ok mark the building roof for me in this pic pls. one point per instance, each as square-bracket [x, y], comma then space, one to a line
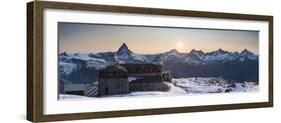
[115, 67]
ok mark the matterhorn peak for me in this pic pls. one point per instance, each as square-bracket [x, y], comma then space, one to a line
[124, 45]
[124, 49]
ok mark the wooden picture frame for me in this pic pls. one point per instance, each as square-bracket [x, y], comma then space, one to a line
[35, 65]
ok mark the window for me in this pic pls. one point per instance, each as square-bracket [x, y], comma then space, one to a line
[106, 90]
[117, 85]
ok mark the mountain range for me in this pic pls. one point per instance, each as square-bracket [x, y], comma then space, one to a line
[196, 63]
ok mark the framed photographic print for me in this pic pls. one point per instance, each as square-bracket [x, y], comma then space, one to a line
[95, 61]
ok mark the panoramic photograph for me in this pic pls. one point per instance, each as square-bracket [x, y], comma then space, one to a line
[105, 61]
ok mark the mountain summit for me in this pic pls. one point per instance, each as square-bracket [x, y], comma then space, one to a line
[246, 52]
[196, 52]
[220, 51]
[124, 49]
[125, 55]
[173, 51]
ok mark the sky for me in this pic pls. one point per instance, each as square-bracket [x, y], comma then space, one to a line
[93, 38]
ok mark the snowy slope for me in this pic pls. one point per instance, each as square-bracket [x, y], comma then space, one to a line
[184, 86]
[213, 85]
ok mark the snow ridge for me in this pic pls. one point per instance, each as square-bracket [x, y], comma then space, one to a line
[69, 62]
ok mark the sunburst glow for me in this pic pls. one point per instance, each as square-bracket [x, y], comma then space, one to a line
[180, 45]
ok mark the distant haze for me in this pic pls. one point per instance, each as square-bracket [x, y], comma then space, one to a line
[93, 38]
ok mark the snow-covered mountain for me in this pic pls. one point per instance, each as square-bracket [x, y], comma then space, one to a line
[218, 56]
[125, 55]
[124, 50]
[172, 60]
[198, 57]
[246, 54]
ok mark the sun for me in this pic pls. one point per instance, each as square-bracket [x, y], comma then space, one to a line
[179, 45]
